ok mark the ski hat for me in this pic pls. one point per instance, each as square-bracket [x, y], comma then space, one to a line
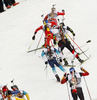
[53, 10]
[4, 89]
[72, 69]
[14, 87]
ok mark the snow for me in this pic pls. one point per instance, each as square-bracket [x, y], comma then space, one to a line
[17, 26]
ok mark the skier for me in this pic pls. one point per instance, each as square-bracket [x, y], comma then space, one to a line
[48, 34]
[49, 55]
[74, 78]
[1, 7]
[19, 93]
[63, 40]
[52, 17]
[9, 94]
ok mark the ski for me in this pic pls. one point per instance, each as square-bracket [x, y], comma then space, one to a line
[85, 60]
[69, 66]
[83, 51]
[87, 42]
[35, 49]
[80, 53]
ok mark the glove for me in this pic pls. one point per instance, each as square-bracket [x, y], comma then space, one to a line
[63, 10]
[33, 38]
[35, 32]
[46, 62]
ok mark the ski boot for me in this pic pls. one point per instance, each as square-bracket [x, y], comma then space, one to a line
[57, 77]
[65, 61]
[8, 7]
[80, 60]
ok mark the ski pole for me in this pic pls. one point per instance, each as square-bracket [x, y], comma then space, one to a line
[46, 70]
[73, 55]
[88, 41]
[41, 35]
[30, 45]
[78, 46]
[58, 22]
[63, 18]
[87, 88]
[39, 41]
[68, 91]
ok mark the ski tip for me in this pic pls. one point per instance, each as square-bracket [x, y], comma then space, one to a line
[88, 41]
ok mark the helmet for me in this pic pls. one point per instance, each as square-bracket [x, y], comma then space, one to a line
[71, 69]
[14, 87]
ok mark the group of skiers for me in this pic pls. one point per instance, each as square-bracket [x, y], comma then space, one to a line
[14, 93]
[58, 32]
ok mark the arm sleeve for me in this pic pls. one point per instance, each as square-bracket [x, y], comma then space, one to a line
[27, 96]
[84, 74]
[39, 28]
[69, 29]
[15, 92]
[60, 13]
[46, 17]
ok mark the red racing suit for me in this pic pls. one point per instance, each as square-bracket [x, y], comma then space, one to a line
[48, 34]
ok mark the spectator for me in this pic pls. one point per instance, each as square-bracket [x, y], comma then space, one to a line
[1, 7]
[9, 3]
